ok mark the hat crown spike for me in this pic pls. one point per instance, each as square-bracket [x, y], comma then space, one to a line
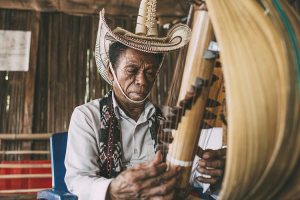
[146, 20]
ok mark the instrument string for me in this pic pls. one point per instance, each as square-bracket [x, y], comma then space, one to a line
[214, 110]
[165, 131]
[207, 131]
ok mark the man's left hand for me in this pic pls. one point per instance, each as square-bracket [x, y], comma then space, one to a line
[212, 163]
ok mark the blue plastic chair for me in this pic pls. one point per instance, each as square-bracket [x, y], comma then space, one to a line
[58, 144]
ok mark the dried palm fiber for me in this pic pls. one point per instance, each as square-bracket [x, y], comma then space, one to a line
[197, 72]
[291, 189]
[260, 60]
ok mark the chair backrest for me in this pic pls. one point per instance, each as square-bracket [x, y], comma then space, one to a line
[58, 144]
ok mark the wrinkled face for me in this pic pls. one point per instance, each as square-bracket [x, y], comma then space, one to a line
[136, 72]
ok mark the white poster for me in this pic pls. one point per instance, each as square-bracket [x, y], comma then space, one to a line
[14, 50]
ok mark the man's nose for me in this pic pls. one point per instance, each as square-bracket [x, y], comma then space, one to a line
[140, 79]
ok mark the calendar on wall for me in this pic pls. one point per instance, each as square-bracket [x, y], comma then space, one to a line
[14, 50]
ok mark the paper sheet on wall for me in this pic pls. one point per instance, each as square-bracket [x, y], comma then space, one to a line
[14, 50]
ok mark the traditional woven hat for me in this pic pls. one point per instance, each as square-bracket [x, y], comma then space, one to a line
[144, 39]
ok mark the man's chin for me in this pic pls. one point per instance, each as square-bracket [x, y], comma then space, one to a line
[137, 96]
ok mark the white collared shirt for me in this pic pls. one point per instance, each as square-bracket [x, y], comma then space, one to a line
[137, 144]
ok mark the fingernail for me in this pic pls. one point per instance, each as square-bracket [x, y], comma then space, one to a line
[201, 170]
[178, 169]
[202, 163]
[205, 155]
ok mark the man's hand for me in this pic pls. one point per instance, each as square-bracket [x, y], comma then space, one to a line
[145, 181]
[212, 163]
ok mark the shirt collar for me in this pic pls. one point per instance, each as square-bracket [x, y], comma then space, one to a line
[149, 110]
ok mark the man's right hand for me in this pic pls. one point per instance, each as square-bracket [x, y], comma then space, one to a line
[145, 181]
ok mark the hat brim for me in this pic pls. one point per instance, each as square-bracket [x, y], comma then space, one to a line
[177, 37]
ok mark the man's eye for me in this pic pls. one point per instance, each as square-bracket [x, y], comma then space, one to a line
[149, 73]
[132, 70]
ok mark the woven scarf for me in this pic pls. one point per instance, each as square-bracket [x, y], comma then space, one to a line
[110, 157]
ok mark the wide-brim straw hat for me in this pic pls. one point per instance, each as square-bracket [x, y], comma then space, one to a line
[145, 39]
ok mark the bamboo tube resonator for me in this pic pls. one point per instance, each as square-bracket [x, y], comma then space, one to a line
[197, 73]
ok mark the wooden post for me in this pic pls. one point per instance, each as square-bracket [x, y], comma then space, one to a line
[30, 81]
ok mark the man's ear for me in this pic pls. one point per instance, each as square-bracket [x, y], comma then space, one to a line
[110, 75]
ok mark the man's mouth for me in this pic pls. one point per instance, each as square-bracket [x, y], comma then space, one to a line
[139, 94]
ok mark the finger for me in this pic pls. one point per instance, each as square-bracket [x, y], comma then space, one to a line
[143, 165]
[168, 196]
[217, 164]
[160, 190]
[210, 172]
[209, 153]
[158, 180]
[173, 172]
[199, 152]
[213, 180]
[146, 172]
[156, 160]
[122, 188]
[150, 182]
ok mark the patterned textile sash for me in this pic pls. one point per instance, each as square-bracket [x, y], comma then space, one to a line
[110, 158]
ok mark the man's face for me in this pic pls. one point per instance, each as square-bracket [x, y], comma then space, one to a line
[136, 72]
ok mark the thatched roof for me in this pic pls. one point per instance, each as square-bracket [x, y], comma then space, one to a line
[113, 7]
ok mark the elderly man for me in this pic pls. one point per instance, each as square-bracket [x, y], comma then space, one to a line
[112, 141]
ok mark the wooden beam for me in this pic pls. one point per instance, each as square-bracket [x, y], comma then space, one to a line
[88, 7]
[20, 196]
[23, 165]
[12, 136]
[20, 152]
[19, 176]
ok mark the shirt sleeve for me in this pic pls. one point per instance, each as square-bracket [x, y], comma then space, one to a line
[81, 161]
